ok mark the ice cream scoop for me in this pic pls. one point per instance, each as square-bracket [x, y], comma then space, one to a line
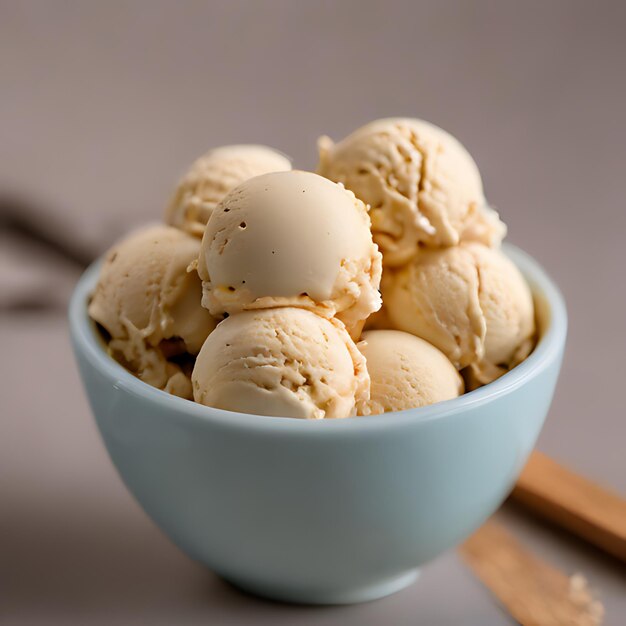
[286, 362]
[406, 372]
[421, 184]
[470, 301]
[212, 176]
[149, 304]
[291, 239]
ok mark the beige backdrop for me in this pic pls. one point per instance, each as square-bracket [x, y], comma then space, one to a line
[103, 105]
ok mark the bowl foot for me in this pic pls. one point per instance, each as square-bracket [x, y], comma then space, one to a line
[348, 596]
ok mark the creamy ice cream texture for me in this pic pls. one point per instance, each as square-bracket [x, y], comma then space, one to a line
[406, 372]
[212, 176]
[291, 239]
[150, 306]
[286, 362]
[470, 301]
[292, 260]
[421, 184]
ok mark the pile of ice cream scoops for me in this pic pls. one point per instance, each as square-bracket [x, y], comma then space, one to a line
[376, 284]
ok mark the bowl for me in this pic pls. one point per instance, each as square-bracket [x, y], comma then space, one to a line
[328, 511]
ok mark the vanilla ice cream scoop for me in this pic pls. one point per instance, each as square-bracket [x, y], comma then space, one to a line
[212, 176]
[149, 304]
[286, 362]
[421, 184]
[291, 239]
[406, 372]
[470, 301]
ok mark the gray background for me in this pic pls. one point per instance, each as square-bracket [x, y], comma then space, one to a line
[103, 106]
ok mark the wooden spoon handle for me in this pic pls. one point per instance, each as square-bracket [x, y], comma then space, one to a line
[574, 503]
[533, 592]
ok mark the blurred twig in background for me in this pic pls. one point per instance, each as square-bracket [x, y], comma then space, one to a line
[22, 219]
[39, 261]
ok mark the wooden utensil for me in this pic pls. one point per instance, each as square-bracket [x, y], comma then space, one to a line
[574, 503]
[533, 592]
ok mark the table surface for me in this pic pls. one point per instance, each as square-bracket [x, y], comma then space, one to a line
[77, 547]
[105, 104]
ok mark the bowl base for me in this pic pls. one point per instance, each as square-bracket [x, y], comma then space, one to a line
[349, 596]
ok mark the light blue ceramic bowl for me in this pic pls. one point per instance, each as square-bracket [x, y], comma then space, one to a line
[332, 511]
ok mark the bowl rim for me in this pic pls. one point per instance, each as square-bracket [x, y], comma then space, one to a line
[86, 342]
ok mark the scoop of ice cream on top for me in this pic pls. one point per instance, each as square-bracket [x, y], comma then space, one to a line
[421, 184]
[406, 372]
[212, 176]
[149, 304]
[286, 362]
[470, 301]
[291, 239]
